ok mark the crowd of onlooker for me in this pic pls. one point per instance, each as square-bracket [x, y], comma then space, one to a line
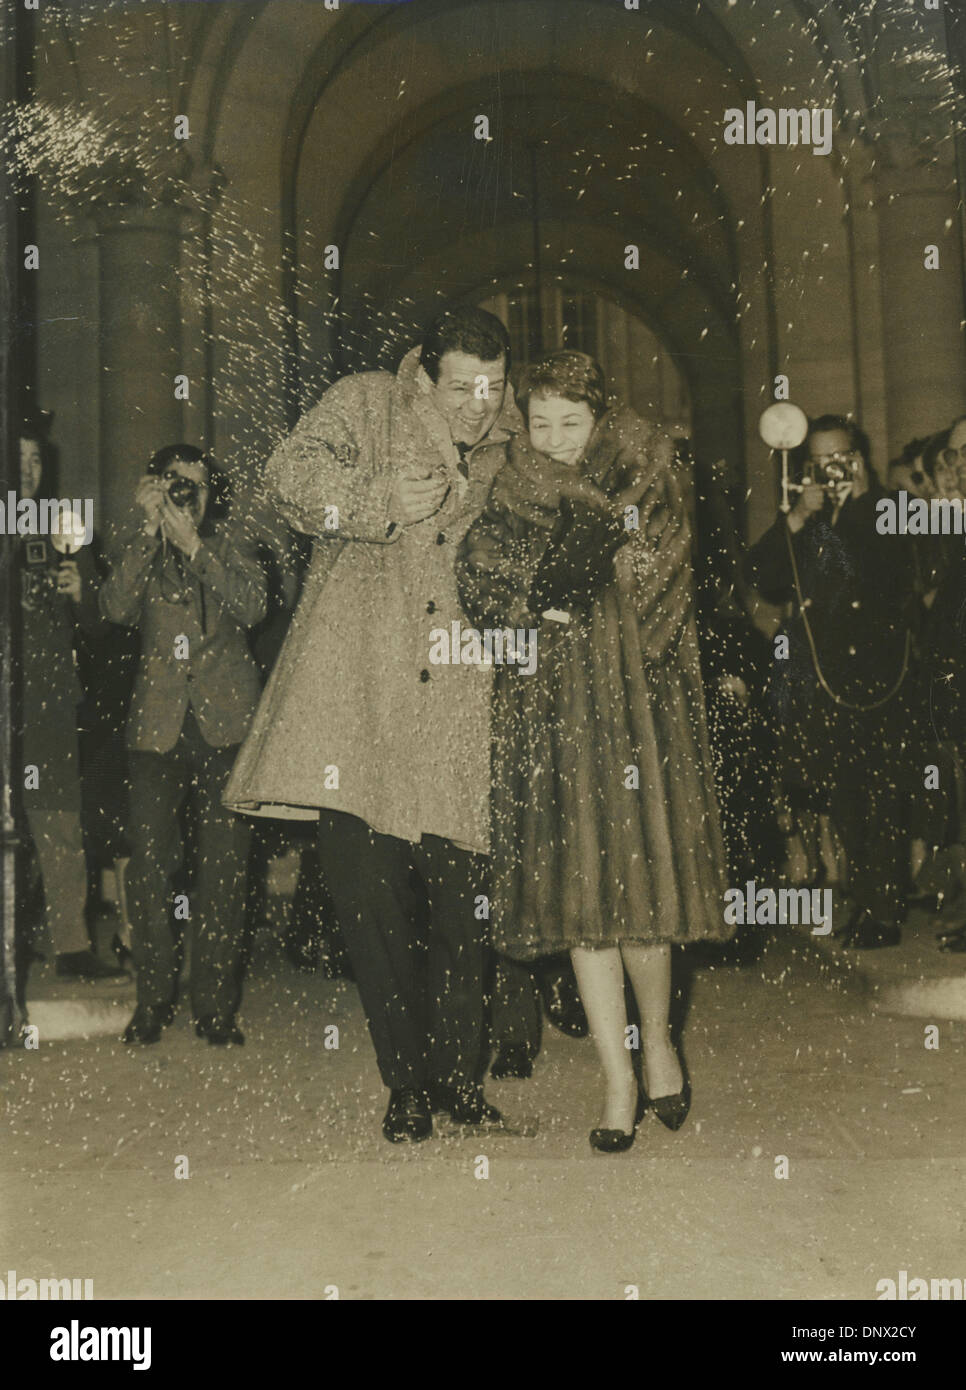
[840, 740]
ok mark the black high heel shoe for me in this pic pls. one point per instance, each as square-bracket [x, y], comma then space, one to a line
[672, 1111]
[615, 1141]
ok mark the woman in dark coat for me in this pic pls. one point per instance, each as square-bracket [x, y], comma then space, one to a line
[605, 834]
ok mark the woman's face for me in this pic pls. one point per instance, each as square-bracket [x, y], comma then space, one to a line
[31, 467]
[946, 479]
[560, 428]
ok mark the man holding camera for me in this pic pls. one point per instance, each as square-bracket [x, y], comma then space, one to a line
[193, 588]
[842, 685]
[58, 591]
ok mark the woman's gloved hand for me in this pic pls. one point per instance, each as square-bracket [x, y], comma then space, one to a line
[579, 562]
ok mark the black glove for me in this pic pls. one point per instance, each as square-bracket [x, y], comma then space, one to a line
[578, 563]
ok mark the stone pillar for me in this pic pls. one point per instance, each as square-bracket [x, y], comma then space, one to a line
[916, 193]
[924, 357]
[140, 343]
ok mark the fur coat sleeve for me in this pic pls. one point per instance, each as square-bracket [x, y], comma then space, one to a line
[627, 474]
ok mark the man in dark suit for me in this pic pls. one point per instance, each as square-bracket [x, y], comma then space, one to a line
[193, 587]
[844, 693]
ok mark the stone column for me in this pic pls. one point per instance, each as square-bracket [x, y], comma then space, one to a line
[139, 345]
[916, 193]
[924, 357]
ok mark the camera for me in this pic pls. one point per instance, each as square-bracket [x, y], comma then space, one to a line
[40, 572]
[833, 471]
[182, 491]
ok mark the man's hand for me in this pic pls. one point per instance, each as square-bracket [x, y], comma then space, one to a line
[860, 478]
[414, 499]
[69, 580]
[150, 496]
[178, 527]
[812, 500]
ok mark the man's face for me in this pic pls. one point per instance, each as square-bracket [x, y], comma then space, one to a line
[957, 445]
[459, 395]
[198, 473]
[826, 445]
[30, 467]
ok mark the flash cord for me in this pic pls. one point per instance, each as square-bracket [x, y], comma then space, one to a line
[839, 699]
[185, 581]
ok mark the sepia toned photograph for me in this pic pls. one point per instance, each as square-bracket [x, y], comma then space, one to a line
[483, 662]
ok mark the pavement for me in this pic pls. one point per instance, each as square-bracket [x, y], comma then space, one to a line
[914, 979]
[186, 1171]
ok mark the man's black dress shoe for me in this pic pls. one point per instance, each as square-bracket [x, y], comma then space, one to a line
[561, 1000]
[409, 1116]
[220, 1031]
[146, 1024]
[84, 965]
[863, 933]
[466, 1105]
[512, 1062]
[954, 940]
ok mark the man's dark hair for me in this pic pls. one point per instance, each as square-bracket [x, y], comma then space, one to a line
[858, 439]
[572, 375]
[933, 450]
[464, 328]
[219, 486]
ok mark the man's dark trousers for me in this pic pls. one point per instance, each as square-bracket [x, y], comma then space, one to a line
[423, 1001]
[159, 785]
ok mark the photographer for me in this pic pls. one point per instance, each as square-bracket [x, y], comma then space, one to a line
[193, 586]
[844, 696]
[58, 593]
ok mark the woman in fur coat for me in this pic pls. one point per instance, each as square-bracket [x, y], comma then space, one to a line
[605, 831]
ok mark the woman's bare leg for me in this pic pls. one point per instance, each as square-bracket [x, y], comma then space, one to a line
[600, 978]
[649, 968]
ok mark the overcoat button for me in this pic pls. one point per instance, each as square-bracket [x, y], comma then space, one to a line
[441, 538]
[430, 607]
[424, 675]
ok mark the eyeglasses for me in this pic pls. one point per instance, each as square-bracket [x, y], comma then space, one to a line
[823, 460]
[951, 457]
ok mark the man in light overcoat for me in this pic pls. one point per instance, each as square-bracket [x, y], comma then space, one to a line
[361, 727]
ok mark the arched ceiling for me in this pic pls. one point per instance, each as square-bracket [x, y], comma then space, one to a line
[630, 170]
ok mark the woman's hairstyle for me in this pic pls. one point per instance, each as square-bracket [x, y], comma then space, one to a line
[464, 328]
[933, 451]
[573, 375]
[219, 485]
[35, 429]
